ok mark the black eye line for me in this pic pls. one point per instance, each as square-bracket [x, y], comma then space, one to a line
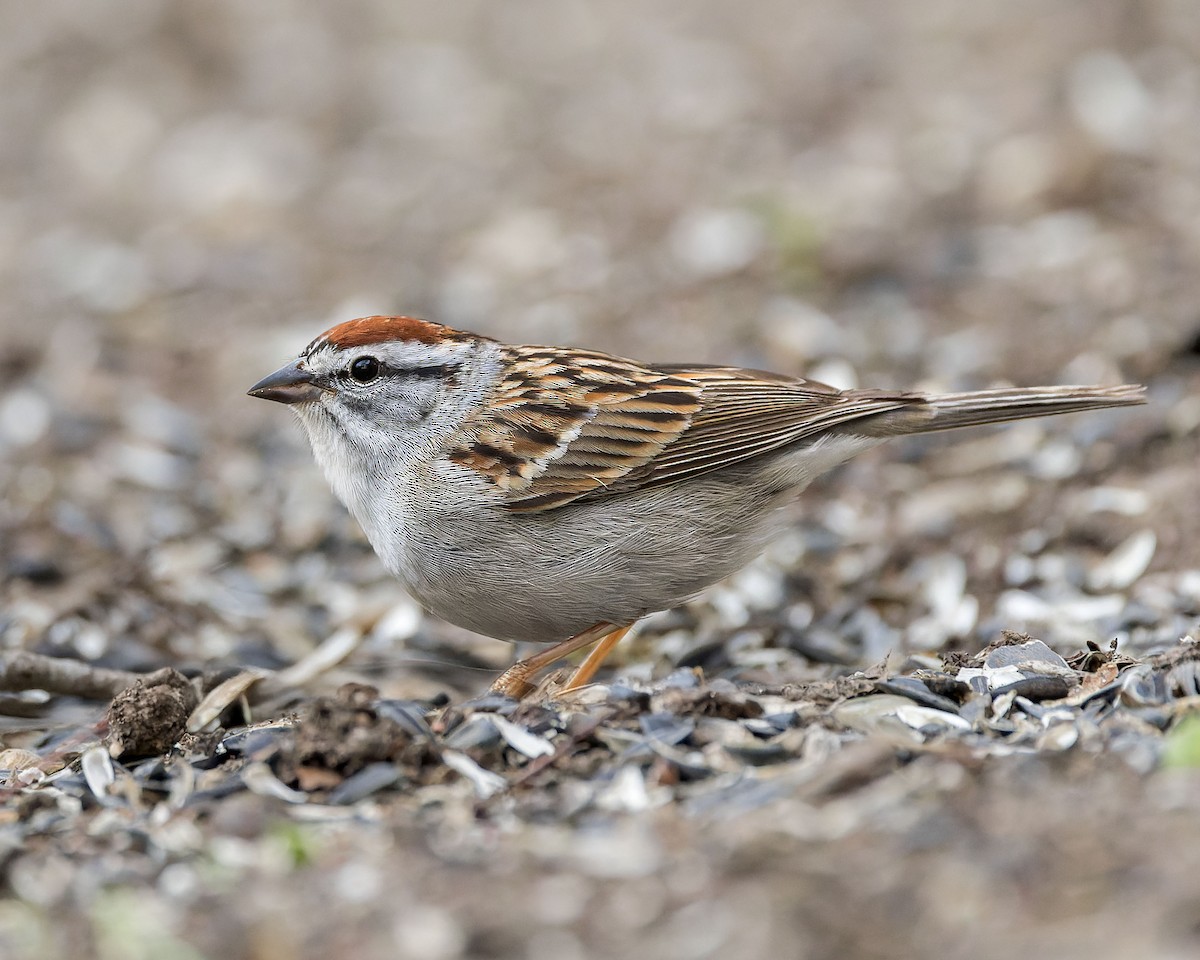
[437, 370]
[428, 372]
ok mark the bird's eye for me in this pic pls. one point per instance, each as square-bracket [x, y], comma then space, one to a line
[364, 369]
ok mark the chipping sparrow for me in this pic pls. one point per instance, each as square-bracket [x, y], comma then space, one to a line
[559, 495]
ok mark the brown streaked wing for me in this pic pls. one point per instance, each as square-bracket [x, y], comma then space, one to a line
[570, 425]
[745, 413]
[563, 424]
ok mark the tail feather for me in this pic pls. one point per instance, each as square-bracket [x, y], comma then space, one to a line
[948, 411]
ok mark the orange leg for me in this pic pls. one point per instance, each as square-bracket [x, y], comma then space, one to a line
[596, 656]
[514, 682]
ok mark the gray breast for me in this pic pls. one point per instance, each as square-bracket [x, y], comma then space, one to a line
[546, 576]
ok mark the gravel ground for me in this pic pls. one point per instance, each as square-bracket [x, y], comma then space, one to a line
[904, 731]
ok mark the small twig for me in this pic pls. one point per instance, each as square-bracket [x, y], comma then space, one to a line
[22, 670]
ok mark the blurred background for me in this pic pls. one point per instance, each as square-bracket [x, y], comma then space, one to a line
[192, 189]
[928, 193]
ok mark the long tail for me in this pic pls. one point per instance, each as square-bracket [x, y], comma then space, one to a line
[947, 411]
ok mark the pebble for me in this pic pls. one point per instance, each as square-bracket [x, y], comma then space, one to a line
[872, 713]
[1059, 737]
[1125, 564]
[1024, 607]
[478, 731]
[1035, 688]
[666, 728]
[625, 793]
[399, 624]
[626, 850]
[917, 691]
[367, 782]
[1119, 500]
[1110, 102]
[1019, 569]
[521, 739]
[713, 242]
[100, 775]
[259, 780]
[1028, 653]
[163, 424]
[483, 781]
[943, 579]
[1057, 460]
[24, 417]
[989, 678]
[430, 932]
[150, 466]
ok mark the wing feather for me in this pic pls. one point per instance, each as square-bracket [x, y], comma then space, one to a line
[563, 425]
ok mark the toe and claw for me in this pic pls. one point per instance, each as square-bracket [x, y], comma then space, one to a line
[516, 681]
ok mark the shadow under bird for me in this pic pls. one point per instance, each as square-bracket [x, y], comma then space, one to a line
[559, 495]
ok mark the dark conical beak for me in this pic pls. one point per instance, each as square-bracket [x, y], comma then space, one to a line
[290, 384]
